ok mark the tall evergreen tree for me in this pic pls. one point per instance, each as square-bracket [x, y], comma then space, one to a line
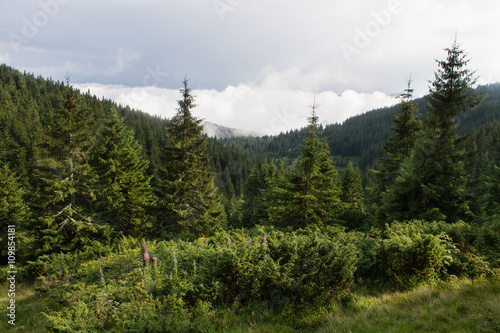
[406, 127]
[188, 201]
[255, 202]
[122, 190]
[352, 189]
[64, 207]
[431, 183]
[310, 195]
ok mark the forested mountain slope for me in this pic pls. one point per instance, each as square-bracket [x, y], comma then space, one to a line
[360, 136]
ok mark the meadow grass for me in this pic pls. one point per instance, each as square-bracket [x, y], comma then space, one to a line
[29, 309]
[462, 305]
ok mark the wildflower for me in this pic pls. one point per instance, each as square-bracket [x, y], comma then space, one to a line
[67, 281]
[249, 241]
[194, 263]
[175, 260]
[155, 259]
[102, 258]
[170, 276]
[229, 241]
[146, 256]
[265, 241]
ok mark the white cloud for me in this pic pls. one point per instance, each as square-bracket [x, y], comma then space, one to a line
[4, 57]
[122, 58]
[266, 109]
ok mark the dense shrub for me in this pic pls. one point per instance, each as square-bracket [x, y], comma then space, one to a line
[157, 285]
[162, 286]
[418, 250]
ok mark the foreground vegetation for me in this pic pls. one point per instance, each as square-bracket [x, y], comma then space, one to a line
[264, 278]
[112, 233]
[460, 305]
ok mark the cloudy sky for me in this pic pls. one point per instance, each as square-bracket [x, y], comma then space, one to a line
[252, 64]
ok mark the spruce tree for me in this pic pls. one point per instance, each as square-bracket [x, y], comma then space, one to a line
[122, 190]
[188, 201]
[432, 181]
[255, 202]
[352, 189]
[310, 194]
[64, 207]
[406, 127]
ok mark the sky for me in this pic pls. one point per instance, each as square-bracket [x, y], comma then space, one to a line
[256, 65]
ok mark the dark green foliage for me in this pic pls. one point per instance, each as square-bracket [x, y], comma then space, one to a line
[256, 206]
[121, 190]
[432, 182]
[352, 189]
[352, 197]
[310, 194]
[494, 193]
[408, 252]
[406, 128]
[188, 202]
[13, 211]
[65, 220]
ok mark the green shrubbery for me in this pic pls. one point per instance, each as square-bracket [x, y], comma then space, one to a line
[181, 286]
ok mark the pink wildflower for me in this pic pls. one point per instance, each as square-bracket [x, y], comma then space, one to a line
[146, 256]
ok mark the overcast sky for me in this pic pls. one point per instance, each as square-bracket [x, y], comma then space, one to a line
[252, 64]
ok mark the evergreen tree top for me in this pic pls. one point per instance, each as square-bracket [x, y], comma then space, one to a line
[451, 91]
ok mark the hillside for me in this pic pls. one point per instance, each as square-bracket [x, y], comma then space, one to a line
[118, 221]
[360, 137]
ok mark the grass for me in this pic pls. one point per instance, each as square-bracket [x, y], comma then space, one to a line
[29, 309]
[460, 306]
[463, 305]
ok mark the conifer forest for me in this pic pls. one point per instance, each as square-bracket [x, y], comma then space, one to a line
[125, 222]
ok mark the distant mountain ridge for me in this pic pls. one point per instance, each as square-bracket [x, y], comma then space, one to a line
[221, 132]
[360, 136]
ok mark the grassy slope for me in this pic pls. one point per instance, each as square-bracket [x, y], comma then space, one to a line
[461, 306]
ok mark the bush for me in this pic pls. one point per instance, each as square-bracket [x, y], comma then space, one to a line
[418, 250]
[156, 286]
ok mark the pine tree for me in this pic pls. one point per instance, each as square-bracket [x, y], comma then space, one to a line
[255, 202]
[406, 127]
[65, 221]
[188, 201]
[431, 182]
[352, 189]
[310, 195]
[122, 190]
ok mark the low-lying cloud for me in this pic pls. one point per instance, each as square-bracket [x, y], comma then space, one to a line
[254, 108]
